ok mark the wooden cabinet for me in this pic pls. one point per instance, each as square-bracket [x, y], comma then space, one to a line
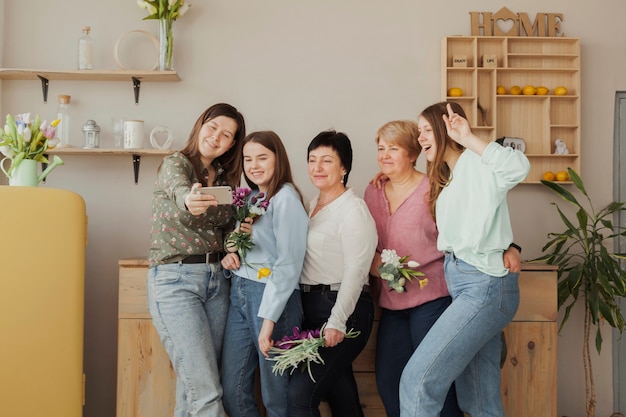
[146, 380]
[519, 61]
[529, 373]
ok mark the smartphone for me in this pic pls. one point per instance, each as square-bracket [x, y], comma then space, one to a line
[223, 194]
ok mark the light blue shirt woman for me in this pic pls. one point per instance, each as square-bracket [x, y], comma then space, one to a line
[279, 244]
[263, 309]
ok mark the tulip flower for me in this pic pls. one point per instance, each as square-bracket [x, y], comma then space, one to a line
[25, 137]
[27, 134]
[263, 272]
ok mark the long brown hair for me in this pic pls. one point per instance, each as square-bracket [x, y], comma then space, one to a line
[438, 170]
[282, 168]
[230, 161]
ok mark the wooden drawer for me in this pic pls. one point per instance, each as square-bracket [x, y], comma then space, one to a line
[538, 296]
[146, 382]
[529, 373]
[133, 302]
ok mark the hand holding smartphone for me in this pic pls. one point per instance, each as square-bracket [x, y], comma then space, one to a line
[222, 193]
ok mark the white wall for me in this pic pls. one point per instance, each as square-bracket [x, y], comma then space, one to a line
[296, 67]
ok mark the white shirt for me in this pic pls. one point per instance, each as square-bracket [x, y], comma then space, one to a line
[341, 243]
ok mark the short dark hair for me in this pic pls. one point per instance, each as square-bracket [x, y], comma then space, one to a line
[337, 141]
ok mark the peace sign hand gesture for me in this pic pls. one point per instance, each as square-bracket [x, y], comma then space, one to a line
[457, 126]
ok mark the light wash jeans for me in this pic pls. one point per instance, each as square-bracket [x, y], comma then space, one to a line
[463, 346]
[189, 304]
[242, 355]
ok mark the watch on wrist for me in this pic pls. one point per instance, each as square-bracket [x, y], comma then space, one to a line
[518, 247]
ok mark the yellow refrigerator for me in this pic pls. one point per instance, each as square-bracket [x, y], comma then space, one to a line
[42, 252]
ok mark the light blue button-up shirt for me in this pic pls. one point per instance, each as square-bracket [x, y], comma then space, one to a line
[279, 238]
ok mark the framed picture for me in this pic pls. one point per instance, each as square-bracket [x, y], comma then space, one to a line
[515, 143]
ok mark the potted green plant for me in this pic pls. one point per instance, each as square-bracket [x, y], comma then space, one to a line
[587, 271]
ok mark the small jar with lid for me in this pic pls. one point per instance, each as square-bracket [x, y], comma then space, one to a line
[91, 131]
[85, 50]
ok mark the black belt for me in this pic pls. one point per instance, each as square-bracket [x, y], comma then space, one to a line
[325, 288]
[209, 258]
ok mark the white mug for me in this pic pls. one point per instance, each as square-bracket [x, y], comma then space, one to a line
[133, 134]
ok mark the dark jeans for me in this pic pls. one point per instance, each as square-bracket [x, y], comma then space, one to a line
[334, 380]
[399, 334]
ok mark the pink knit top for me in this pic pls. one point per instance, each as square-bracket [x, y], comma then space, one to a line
[410, 230]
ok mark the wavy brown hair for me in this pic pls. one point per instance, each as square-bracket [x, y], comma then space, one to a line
[282, 168]
[438, 170]
[230, 161]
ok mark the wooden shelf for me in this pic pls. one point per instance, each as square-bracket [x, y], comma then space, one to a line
[45, 75]
[108, 151]
[135, 153]
[538, 119]
[88, 75]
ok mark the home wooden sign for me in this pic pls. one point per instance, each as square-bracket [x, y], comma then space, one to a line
[506, 23]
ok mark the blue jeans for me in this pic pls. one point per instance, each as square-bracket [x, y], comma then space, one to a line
[242, 355]
[399, 333]
[334, 380]
[463, 346]
[189, 304]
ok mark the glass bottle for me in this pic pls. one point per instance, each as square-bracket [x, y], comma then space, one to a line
[63, 128]
[85, 50]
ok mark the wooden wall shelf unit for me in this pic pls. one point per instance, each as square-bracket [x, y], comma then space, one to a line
[45, 75]
[136, 154]
[538, 119]
[146, 379]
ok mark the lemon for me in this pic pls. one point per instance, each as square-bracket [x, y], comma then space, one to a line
[516, 90]
[455, 92]
[501, 90]
[549, 176]
[542, 91]
[562, 176]
[529, 90]
[560, 91]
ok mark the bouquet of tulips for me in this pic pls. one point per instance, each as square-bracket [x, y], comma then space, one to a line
[300, 348]
[246, 206]
[26, 138]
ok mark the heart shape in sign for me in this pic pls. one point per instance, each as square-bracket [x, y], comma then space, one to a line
[161, 137]
[505, 26]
